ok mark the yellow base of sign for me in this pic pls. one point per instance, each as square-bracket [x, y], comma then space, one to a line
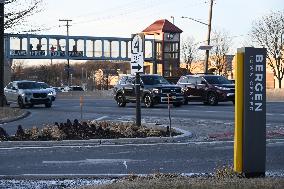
[239, 101]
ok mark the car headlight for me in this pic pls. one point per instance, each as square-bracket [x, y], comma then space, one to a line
[223, 88]
[156, 91]
[26, 94]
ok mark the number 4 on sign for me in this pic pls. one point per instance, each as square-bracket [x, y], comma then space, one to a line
[136, 46]
[137, 43]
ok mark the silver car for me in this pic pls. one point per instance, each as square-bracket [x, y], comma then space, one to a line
[43, 85]
[27, 94]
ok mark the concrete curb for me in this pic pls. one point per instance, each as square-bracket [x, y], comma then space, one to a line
[119, 141]
[25, 114]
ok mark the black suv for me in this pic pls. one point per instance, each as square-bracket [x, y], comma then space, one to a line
[154, 90]
[210, 89]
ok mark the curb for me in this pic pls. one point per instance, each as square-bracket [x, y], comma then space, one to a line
[25, 114]
[118, 141]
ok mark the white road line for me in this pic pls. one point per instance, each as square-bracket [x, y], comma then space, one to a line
[269, 114]
[101, 118]
[269, 142]
[91, 161]
[211, 111]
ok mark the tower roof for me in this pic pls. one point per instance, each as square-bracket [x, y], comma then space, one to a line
[160, 26]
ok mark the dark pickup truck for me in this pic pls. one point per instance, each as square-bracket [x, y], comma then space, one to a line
[154, 90]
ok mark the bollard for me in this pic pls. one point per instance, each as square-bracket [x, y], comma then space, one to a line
[170, 119]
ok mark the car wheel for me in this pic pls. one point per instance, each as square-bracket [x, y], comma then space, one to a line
[177, 104]
[212, 99]
[120, 100]
[233, 101]
[21, 103]
[48, 105]
[185, 102]
[31, 105]
[148, 101]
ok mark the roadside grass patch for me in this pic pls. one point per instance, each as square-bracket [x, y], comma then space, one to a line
[86, 130]
[223, 178]
[8, 113]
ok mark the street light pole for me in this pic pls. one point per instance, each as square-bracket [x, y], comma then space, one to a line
[2, 97]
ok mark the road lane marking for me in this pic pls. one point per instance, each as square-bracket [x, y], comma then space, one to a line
[101, 118]
[91, 161]
[96, 145]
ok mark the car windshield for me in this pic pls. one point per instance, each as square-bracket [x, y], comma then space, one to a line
[28, 85]
[154, 80]
[43, 85]
[217, 80]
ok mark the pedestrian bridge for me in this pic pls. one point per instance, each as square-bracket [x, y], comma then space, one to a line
[30, 46]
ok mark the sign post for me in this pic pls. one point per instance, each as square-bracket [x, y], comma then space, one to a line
[2, 97]
[81, 106]
[137, 62]
[250, 112]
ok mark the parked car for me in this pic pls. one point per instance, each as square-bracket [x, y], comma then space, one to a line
[27, 94]
[76, 88]
[43, 85]
[72, 88]
[154, 90]
[210, 89]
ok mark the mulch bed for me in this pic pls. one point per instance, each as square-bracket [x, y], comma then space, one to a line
[86, 130]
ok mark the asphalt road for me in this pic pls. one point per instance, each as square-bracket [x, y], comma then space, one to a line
[91, 159]
[106, 109]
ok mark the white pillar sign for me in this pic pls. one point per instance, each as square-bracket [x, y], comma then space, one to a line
[137, 53]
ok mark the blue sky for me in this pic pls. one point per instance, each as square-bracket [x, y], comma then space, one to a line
[121, 18]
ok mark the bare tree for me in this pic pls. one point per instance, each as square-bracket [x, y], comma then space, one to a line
[17, 70]
[268, 32]
[189, 53]
[221, 46]
[17, 11]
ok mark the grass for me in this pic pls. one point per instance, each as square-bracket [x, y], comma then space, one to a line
[7, 112]
[198, 183]
[222, 178]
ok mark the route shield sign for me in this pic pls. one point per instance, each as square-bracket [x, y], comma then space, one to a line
[137, 53]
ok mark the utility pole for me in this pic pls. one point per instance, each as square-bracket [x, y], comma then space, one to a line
[67, 48]
[208, 36]
[2, 97]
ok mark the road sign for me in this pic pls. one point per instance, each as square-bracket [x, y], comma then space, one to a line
[137, 53]
[205, 47]
[250, 111]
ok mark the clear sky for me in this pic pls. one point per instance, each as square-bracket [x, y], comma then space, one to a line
[121, 18]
